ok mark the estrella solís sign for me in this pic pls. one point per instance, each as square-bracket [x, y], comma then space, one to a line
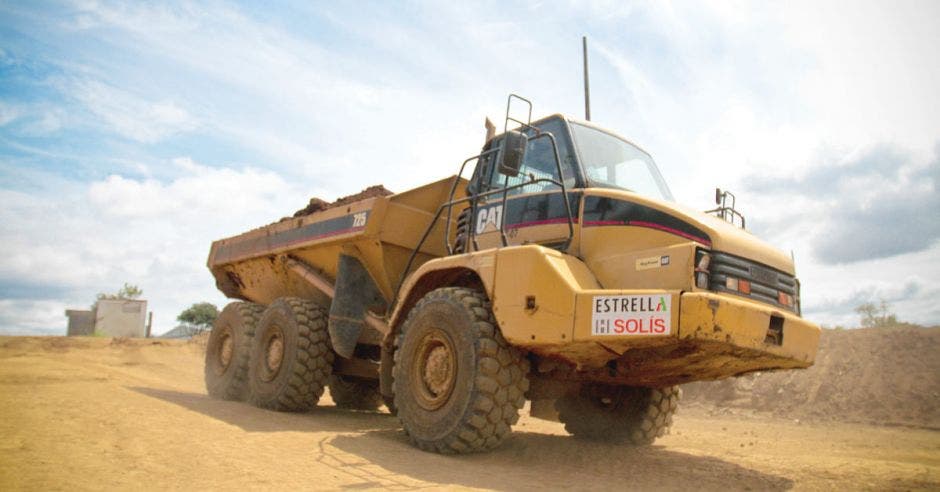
[631, 315]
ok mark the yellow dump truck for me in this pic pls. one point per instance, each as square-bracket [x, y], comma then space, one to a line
[560, 272]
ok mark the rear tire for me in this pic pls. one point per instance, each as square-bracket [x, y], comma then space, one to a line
[458, 384]
[291, 357]
[619, 414]
[228, 350]
[355, 393]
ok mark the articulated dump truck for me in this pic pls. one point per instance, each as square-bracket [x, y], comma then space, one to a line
[561, 272]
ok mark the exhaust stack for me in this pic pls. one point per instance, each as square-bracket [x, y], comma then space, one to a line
[587, 85]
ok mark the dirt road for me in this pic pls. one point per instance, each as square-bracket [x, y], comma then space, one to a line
[96, 413]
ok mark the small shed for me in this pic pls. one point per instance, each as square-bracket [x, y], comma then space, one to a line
[121, 318]
[81, 322]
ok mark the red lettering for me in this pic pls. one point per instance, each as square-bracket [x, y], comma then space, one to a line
[638, 325]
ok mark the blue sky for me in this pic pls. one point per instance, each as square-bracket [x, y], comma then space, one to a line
[133, 134]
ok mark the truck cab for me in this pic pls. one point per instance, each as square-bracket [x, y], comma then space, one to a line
[625, 222]
[588, 157]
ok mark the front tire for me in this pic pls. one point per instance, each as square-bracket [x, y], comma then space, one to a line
[619, 414]
[458, 384]
[228, 350]
[291, 358]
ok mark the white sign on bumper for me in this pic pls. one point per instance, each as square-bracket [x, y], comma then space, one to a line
[632, 315]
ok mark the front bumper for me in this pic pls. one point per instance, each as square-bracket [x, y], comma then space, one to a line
[749, 325]
[712, 336]
[550, 304]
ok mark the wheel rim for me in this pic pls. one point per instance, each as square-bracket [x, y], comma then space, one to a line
[273, 353]
[225, 352]
[434, 370]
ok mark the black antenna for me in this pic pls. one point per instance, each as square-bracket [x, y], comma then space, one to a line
[587, 84]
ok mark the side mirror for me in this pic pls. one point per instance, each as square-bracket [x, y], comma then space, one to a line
[718, 196]
[514, 145]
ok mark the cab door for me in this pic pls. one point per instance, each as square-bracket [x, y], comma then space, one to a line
[531, 213]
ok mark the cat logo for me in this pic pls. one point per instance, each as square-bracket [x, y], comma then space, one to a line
[489, 219]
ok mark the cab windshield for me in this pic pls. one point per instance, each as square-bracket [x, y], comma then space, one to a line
[611, 162]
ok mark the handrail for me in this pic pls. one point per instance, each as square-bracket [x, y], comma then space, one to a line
[451, 203]
[453, 189]
[509, 106]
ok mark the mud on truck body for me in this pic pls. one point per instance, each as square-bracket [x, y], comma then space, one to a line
[561, 272]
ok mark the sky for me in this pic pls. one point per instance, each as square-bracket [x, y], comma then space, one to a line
[132, 134]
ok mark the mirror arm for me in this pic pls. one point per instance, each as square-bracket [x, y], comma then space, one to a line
[502, 220]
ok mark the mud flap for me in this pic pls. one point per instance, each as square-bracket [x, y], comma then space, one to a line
[355, 294]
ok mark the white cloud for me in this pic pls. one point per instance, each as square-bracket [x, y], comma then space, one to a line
[716, 92]
[8, 113]
[32, 317]
[312, 110]
[47, 122]
[909, 283]
[132, 116]
[90, 238]
[875, 72]
[31, 119]
[208, 191]
[37, 232]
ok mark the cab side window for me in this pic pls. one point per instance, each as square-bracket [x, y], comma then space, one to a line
[540, 162]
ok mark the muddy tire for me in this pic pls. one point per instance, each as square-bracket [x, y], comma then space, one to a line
[620, 414]
[458, 384]
[291, 358]
[355, 393]
[228, 349]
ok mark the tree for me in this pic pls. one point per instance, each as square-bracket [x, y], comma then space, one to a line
[129, 291]
[876, 315]
[199, 316]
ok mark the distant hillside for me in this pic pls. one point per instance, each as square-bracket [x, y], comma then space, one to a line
[887, 376]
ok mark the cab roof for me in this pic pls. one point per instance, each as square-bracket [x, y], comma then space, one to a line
[589, 124]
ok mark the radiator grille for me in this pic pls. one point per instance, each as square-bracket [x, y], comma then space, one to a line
[766, 282]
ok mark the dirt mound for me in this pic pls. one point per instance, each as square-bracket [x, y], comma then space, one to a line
[887, 376]
[316, 204]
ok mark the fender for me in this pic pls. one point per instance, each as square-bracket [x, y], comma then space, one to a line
[472, 269]
[521, 280]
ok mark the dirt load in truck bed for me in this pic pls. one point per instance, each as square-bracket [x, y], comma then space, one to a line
[317, 204]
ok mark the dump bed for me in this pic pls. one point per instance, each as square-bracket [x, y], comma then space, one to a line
[381, 231]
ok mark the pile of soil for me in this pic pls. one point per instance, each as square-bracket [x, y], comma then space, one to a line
[887, 376]
[316, 204]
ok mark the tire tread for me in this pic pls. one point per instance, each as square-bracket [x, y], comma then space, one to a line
[312, 365]
[501, 371]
